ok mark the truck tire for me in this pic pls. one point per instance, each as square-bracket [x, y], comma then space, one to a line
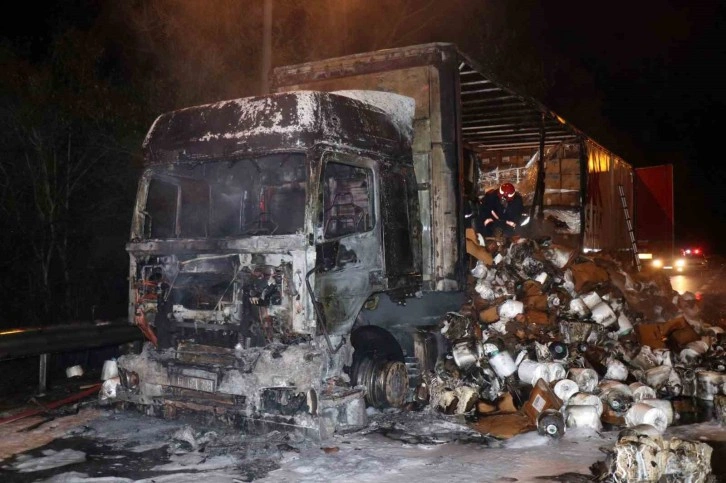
[378, 365]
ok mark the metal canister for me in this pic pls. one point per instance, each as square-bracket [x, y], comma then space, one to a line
[551, 423]
[465, 354]
[503, 364]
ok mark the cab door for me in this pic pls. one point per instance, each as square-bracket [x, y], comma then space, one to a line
[348, 240]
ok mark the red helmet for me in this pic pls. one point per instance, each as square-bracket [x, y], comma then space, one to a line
[506, 191]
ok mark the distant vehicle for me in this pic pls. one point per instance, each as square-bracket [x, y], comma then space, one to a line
[690, 259]
[694, 258]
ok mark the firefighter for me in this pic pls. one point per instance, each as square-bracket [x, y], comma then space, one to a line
[500, 211]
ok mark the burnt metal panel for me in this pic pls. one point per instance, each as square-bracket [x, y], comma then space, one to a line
[288, 121]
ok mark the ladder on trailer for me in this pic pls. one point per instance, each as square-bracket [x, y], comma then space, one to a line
[629, 223]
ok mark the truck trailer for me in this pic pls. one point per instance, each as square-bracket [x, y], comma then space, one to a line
[292, 254]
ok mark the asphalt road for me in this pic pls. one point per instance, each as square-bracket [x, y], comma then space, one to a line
[704, 282]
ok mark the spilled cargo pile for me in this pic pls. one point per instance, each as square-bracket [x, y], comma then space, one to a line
[642, 454]
[551, 339]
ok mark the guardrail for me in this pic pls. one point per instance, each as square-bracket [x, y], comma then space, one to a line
[42, 341]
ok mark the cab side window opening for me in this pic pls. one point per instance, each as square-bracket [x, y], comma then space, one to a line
[347, 200]
[161, 209]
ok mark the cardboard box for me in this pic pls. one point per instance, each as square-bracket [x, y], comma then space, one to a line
[542, 397]
[537, 316]
[553, 166]
[504, 426]
[570, 166]
[475, 250]
[676, 332]
[570, 182]
[570, 199]
[588, 274]
[489, 315]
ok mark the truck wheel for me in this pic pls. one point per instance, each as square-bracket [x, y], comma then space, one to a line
[378, 365]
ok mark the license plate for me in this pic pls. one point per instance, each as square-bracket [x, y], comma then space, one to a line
[194, 383]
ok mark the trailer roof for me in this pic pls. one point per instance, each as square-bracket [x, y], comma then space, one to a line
[493, 115]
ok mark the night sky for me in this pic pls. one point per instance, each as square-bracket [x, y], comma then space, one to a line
[645, 79]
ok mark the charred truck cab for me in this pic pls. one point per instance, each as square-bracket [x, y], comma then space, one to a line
[291, 253]
[262, 227]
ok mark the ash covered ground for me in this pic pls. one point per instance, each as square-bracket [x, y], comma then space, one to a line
[95, 445]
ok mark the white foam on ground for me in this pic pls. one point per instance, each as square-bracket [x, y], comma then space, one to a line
[198, 462]
[51, 459]
[76, 477]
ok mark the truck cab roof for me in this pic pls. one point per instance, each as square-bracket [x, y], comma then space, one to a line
[277, 122]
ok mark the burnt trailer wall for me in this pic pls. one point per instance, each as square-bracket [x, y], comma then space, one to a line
[428, 75]
[605, 224]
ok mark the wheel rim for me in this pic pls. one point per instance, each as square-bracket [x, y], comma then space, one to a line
[386, 382]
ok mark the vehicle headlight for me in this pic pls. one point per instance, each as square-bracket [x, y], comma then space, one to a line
[657, 263]
[680, 263]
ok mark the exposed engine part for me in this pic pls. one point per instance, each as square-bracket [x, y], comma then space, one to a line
[220, 300]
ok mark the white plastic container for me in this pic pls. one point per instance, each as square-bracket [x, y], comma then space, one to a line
[591, 299]
[480, 270]
[485, 290]
[108, 389]
[582, 417]
[565, 389]
[583, 399]
[555, 371]
[625, 326]
[663, 404]
[642, 391]
[585, 378]
[465, 354]
[641, 413]
[577, 306]
[510, 309]
[610, 385]
[110, 370]
[530, 371]
[658, 376]
[708, 384]
[74, 371]
[503, 364]
[603, 314]
[616, 370]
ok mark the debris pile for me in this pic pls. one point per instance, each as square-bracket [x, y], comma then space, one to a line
[551, 339]
[643, 455]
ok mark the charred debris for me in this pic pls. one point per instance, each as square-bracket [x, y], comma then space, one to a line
[551, 339]
[548, 328]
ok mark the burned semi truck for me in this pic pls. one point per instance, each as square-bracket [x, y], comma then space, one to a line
[290, 253]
